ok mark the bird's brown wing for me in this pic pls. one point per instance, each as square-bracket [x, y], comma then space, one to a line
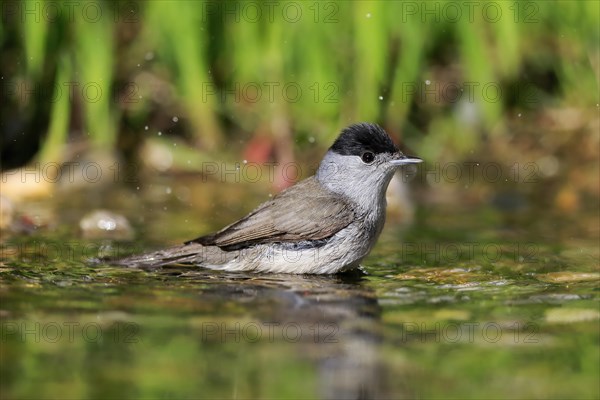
[304, 211]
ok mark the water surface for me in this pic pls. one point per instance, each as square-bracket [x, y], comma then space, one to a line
[465, 303]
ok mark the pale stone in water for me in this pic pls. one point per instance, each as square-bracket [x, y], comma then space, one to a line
[106, 225]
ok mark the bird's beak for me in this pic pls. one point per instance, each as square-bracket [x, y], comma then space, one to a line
[404, 160]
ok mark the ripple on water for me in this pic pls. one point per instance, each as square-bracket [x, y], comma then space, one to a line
[571, 315]
[547, 298]
[569, 276]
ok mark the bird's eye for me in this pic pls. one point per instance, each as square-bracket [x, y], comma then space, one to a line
[367, 157]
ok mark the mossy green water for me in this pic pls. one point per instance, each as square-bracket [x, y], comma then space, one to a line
[454, 307]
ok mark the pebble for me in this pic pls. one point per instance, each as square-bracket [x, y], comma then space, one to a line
[103, 224]
[7, 212]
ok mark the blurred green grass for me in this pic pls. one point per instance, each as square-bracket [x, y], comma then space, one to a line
[291, 70]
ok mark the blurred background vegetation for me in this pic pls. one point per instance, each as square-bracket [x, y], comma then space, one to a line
[172, 84]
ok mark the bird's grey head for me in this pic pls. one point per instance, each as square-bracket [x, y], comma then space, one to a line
[360, 164]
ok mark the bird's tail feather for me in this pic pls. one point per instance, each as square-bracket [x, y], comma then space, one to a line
[187, 253]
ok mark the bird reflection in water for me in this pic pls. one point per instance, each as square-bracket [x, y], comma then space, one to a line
[340, 312]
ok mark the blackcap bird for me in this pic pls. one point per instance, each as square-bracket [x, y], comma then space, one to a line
[322, 225]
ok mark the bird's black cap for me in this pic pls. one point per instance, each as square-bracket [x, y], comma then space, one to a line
[358, 138]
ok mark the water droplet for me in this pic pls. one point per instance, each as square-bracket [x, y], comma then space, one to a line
[245, 161]
[368, 15]
[519, 115]
[168, 190]
[428, 82]
[159, 133]
[311, 139]
[380, 97]
[146, 128]
[175, 119]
